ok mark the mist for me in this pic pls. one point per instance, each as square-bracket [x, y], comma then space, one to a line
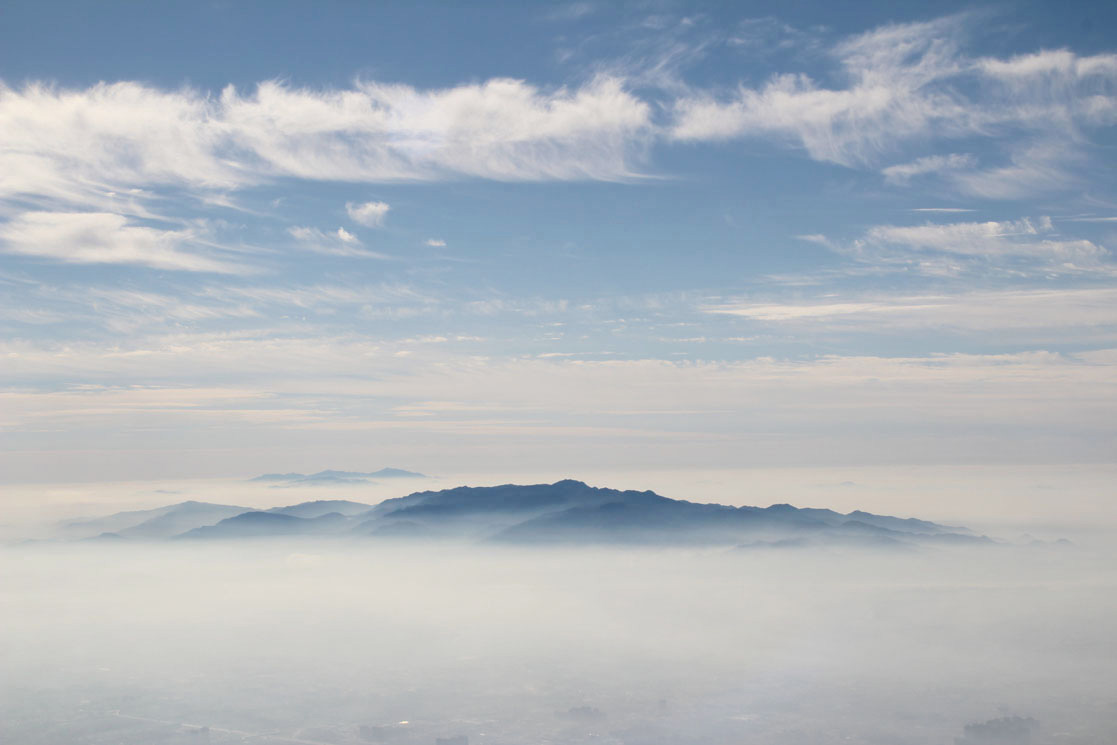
[313, 641]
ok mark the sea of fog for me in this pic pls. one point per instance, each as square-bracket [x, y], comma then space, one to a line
[352, 642]
[281, 641]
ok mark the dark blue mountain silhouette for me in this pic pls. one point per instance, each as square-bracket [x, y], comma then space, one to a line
[321, 507]
[572, 512]
[265, 524]
[565, 512]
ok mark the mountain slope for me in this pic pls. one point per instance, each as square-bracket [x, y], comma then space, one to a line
[186, 516]
[161, 522]
[266, 524]
[322, 507]
[666, 521]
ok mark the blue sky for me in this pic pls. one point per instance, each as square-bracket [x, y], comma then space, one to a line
[238, 237]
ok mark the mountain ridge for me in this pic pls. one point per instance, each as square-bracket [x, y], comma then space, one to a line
[566, 512]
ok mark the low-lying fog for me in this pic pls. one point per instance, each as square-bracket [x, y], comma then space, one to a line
[280, 641]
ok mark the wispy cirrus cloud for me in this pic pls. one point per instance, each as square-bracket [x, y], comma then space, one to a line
[112, 146]
[1065, 309]
[73, 144]
[1057, 68]
[501, 129]
[893, 92]
[1028, 246]
[102, 157]
[1023, 239]
[905, 83]
[902, 173]
[123, 309]
[571, 11]
[106, 238]
[339, 242]
[1047, 165]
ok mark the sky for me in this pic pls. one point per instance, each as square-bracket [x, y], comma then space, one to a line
[240, 237]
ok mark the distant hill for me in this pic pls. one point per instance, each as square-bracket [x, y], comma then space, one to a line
[162, 522]
[267, 524]
[186, 516]
[323, 507]
[566, 512]
[330, 477]
[89, 527]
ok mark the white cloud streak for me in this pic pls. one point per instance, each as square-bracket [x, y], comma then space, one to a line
[1064, 309]
[336, 243]
[78, 145]
[1023, 247]
[105, 238]
[904, 172]
[993, 239]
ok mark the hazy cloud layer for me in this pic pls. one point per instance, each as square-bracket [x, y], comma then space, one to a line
[300, 390]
